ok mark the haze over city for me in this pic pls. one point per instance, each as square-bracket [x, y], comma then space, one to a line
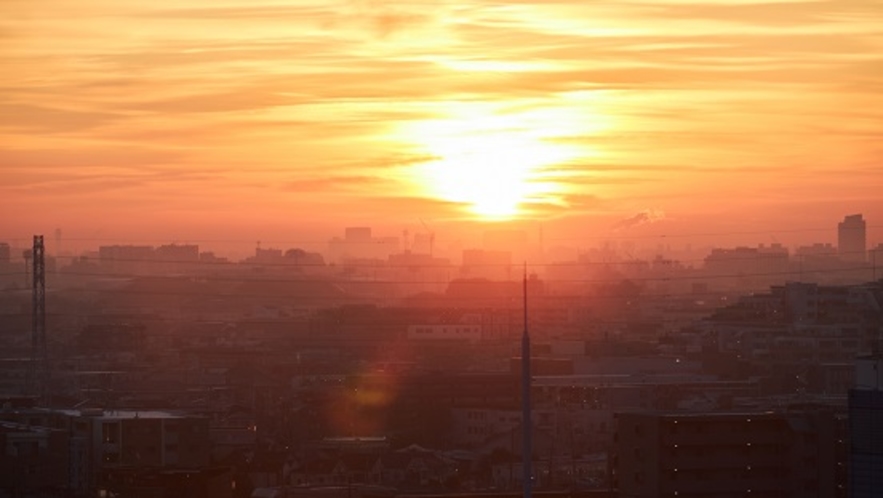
[387, 249]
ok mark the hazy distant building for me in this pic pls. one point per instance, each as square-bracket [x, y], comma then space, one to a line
[816, 250]
[419, 272]
[483, 263]
[300, 257]
[209, 258]
[423, 243]
[177, 258]
[851, 238]
[817, 254]
[127, 259]
[359, 243]
[267, 256]
[762, 264]
[866, 429]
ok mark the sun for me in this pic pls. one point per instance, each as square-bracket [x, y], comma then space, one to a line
[490, 164]
[493, 175]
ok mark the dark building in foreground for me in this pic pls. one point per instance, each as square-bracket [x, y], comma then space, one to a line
[78, 452]
[33, 460]
[866, 429]
[789, 454]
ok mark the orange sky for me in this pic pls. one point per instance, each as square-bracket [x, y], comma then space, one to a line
[243, 119]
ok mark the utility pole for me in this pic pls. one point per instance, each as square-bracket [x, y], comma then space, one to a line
[525, 398]
[39, 355]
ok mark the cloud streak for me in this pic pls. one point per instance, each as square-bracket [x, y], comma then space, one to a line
[658, 100]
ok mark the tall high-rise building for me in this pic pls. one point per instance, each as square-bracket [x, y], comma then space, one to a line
[851, 238]
[866, 429]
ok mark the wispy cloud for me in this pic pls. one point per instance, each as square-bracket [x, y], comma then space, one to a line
[654, 101]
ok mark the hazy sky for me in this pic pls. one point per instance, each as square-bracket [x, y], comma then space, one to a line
[241, 119]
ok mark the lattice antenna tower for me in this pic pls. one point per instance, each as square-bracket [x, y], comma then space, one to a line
[39, 353]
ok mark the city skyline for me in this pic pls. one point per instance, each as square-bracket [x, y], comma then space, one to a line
[258, 121]
[531, 242]
[361, 246]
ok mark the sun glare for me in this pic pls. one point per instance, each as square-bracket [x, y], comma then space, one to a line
[494, 165]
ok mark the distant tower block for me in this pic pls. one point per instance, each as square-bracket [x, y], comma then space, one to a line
[851, 239]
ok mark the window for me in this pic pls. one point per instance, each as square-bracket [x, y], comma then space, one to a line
[110, 432]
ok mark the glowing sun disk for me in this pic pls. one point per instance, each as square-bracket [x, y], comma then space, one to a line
[493, 173]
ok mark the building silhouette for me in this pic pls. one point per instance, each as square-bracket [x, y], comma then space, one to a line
[359, 243]
[851, 238]
[701, 454]
[866, 429]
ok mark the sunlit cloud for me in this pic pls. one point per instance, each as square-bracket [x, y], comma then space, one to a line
[482, 110]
